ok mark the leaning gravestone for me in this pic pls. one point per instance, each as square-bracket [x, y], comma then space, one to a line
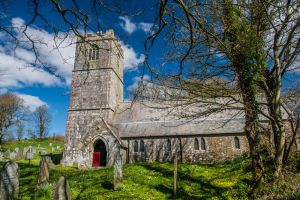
[9, 181]
[43, 172]
[117, 170]
[62, 191]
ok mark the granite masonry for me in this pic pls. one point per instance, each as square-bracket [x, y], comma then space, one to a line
[100, 123]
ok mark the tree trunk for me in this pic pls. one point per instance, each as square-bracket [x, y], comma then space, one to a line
[293, 140]
[278, 130]
[254, 139]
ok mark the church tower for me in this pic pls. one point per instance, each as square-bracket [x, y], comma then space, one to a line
[96, 89]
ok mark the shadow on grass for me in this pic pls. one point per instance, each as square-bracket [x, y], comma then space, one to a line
[107, 185]
[55, 158]
[28, 179]
[205, 189]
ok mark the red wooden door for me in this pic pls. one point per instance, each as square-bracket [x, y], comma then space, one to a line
[96, 159]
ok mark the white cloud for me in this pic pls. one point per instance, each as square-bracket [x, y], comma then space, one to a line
[55, 52]
[137, 81]
[17, 73]
[32, 102]
[129, 26]
[146, 27]
[131, 58]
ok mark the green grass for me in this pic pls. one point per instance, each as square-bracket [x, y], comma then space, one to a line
[44, 145]
[143, 181]
[227, 180]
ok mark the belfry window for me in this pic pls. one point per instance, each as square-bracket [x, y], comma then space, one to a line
[237, 143]
[93, 54]
[135, 146]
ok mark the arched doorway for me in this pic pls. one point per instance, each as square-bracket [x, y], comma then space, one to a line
[100, 154]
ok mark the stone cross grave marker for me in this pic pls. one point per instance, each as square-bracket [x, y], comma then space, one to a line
[62, 190]
[118, 170]
[9, 181]
[43, 172]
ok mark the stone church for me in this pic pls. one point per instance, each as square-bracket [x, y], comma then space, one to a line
[100, 123]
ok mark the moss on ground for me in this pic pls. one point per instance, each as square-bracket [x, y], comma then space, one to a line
[143, 181]
[227, 180]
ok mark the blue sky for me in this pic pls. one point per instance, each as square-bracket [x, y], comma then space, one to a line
[39, 87]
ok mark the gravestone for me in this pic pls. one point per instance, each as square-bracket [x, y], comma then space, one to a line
[25, 150]
[62, 190]
[118, 170]
[43, 172]
[19, 155]
[7, 153]
[29, 156]
[9, 181]
[1, 156]
[12, 155]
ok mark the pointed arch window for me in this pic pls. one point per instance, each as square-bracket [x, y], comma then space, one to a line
[203, 144]
[93, 54]
[237, 143]
[168, 145]
[135, 146]
[196, 144]
[142, 146]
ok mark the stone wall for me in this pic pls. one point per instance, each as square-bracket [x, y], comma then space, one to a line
[217, 148]
[96, 90]
[97, 96]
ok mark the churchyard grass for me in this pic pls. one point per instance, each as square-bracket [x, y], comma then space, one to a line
[142, 181]
[225, 180]
[44, 145]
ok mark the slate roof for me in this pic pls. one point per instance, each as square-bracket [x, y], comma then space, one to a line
[179, 128]
[146, 119]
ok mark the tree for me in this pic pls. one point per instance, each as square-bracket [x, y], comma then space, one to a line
[20, 130]
[11, 111]
[291, 98]
[214, 40]
[42, 119]
[249, 44]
